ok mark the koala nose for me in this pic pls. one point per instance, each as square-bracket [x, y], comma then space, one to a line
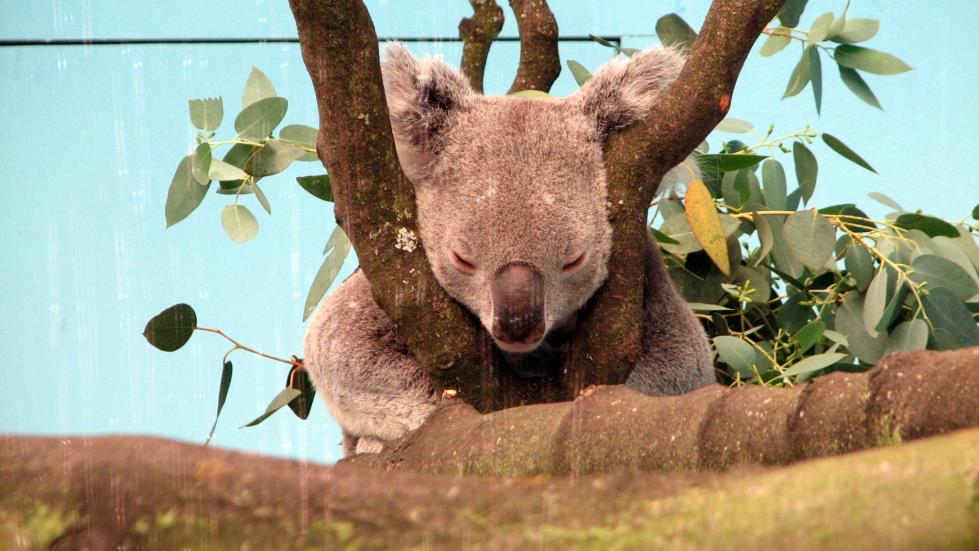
[518, 304]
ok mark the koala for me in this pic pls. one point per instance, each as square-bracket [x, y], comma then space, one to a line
[511, 199]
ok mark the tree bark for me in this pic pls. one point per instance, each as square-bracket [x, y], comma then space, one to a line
[84, 493]
[636, 161]
[907, 396]
[540, 63]
[477, 33]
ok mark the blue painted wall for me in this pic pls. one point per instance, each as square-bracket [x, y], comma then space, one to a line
[92, 135]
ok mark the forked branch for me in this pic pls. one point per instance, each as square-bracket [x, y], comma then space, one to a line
[540, 63]
[477, 33]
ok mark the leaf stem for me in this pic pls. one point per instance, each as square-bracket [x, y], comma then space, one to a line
[239, 346]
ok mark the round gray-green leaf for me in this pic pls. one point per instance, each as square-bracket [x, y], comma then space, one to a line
[239, 223]
[736, 353]
[908, 335]
[207, 113]
[220, 170]
[860, 265]
[185, 193]
[936, 271]
[791, 11]
[273, 159]
[874, 302]
[579, 72]
[672, 30]
[810, 237]
[857, 30]
[773, 178]
[318, 186]
[813, 363]
[257, 87]
[929, 224]
[302, 135]
[869, 60]
[849, 322]
[952, 323]
[258, 120]
[202, 164]
[172, 328]
[776, 42]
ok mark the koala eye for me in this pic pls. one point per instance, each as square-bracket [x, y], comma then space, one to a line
[464, 263]
[574, 264]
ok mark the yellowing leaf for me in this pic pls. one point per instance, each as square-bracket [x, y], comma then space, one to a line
[706, 224]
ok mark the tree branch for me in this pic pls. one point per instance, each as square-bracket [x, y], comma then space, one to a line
[540, 63]
[908, 395]
[636, 161]
[477, 33]
[375, 202]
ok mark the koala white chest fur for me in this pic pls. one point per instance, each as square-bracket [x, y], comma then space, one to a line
[511, 203]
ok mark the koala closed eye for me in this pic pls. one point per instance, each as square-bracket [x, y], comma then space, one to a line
[578, 262]
[463, 262]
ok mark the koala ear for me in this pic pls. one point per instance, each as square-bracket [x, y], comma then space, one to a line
[422, 95]
[621, 92]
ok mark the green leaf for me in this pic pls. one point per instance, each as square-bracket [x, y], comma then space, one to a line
[272, 159]
[773, 178]
[285, 396]
[706, 224]
[736, 126]
[806, 169]
[603, 41]
[765, 236]
[860, 265]
[975, 212]
[262, 199]
[258, 120]
[220, 170]
[816, 76]
[678, 228]
[936, 271]
[185, 193]
[257, 87]
[854, 219]
[776, 42]
[820, 28]
[857, 30]
[782, 254]
[808, 336]
[171, 329]
[849, 322]
[791, 11]
[299, 380]
[869, 60]
[929, 224]
[813, 363]
[202, 164]
[811, 238]
[579, 72]
[737, 353]
[239, 156]
[952, 324]
[701, 307]
[885, 200]
[793, 316]
[720, 162]
[207, 113]
[908, 335]
[222, 396]
[318, 186]
[874, 302]
[302, 135]
[532, 94]
[836, 145]
[858, 86]
[337, 248]
[239, 223]
[893, 308]
[662, 237]
[799, 77]
[672, 30]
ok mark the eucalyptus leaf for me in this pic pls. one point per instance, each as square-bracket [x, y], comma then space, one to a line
[806, 169]
[257, 87]
[765, 236]
[799, 77]
[869, 60]
[262, 199]
[273, 159]
[785, 259]
[672, 30]
[935, 271]
[318, 186]
[283, 398]
[702, 307]
[706, 224]
[533, 94]
[662, 237]
[791, 11]
[952, 323]
[849, 322]
[773, 178]
[207, 113]
[836, 145]
[202, 164]
[860, 265]
[810, 237]
[736, 353]
[736, 126]
[226, 372]
[853, 218]
[816, 76]
[221, 170]
[172, 328]
[893, 308]
[298, 379]
[776, 42]
[301, 135]
[579, 72]
[908, 335]
[885, 200]
[258, 120]
[858, 86]
[820, 28]
[185, 194]
[793, 316]
[808, 336]
[239, 223]
[337, 248]
[813, 363]
[874, 302]
[721, 162]
[929, 224]
[857, 30]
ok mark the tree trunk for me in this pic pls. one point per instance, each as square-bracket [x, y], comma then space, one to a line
[540, 64]
[477, 34]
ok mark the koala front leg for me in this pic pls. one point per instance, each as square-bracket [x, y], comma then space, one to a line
[367, 377]
[676, 354]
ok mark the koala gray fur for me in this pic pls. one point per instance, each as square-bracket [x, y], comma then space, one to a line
[511, 199]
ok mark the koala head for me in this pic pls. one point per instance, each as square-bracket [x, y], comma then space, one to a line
[511, 191]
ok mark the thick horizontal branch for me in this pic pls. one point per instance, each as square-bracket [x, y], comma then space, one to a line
[907, 396]
[540, 63]
[636, 161]
[375, 202]
[477, 33]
